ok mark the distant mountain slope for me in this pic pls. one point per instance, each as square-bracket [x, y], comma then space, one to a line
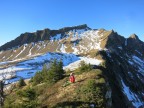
[39, 35]
[76, 40]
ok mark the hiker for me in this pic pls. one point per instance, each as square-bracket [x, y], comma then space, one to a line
[72, 78]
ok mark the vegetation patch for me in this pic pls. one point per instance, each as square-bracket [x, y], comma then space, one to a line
[50, 73]
[46, 90]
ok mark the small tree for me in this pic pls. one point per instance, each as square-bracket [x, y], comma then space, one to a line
[28, 97]
[1, 94]
[2, 84]
[60, 69]
[85, 67]
[38, 78]
[50, 73]
[56, 71]
[21, 83]
[44, 68]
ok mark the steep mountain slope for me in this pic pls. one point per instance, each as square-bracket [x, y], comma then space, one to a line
[39, 35]
[124, 68]
[40, 42]
[120, 59]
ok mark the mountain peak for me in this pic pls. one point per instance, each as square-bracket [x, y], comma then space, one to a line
[83, 26]
[112, 31]
[134, 36]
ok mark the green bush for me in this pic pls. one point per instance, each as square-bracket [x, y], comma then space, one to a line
[21, 83]
[23, 98]
[102, 81]
[90, 92]
[50, 74]
[84, 67]
[97, 71]
[28, 98]
[37, 79]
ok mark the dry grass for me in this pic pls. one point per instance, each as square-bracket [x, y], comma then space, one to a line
[58, 94]
[53, 94]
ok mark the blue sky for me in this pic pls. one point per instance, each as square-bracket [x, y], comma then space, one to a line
[20, 16]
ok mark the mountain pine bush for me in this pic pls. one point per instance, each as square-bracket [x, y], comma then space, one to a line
[50, 74]
[84, 67]
[21, 82]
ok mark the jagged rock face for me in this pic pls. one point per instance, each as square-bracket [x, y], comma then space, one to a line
[40, 42]
[40, 35]
[123, 58]
[78, 40]
[124, 69]
[135, 46]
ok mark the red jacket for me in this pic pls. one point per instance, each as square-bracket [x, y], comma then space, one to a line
[72, 79]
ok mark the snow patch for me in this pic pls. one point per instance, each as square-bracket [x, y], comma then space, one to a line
[126, 42]
[130, 62]
[87, 60]
[3, 63]
[90, 36]
[140, 64]
[62, 49]
[138, 60]
[27, 69]
[20, 52]
[9, 57]
[120, 47]
[30, 52]
[75, 50]
[131, 96]
[138, 52]
[108, 53]
[9, 72]
[56, 37]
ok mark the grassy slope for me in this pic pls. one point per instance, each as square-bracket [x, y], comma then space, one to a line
[89, 88]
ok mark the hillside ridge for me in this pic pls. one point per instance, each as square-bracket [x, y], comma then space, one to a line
[39, 35]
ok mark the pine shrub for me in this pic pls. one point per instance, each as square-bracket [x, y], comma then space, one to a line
[21, 83]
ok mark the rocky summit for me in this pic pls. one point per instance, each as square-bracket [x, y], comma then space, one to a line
[120, 59]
